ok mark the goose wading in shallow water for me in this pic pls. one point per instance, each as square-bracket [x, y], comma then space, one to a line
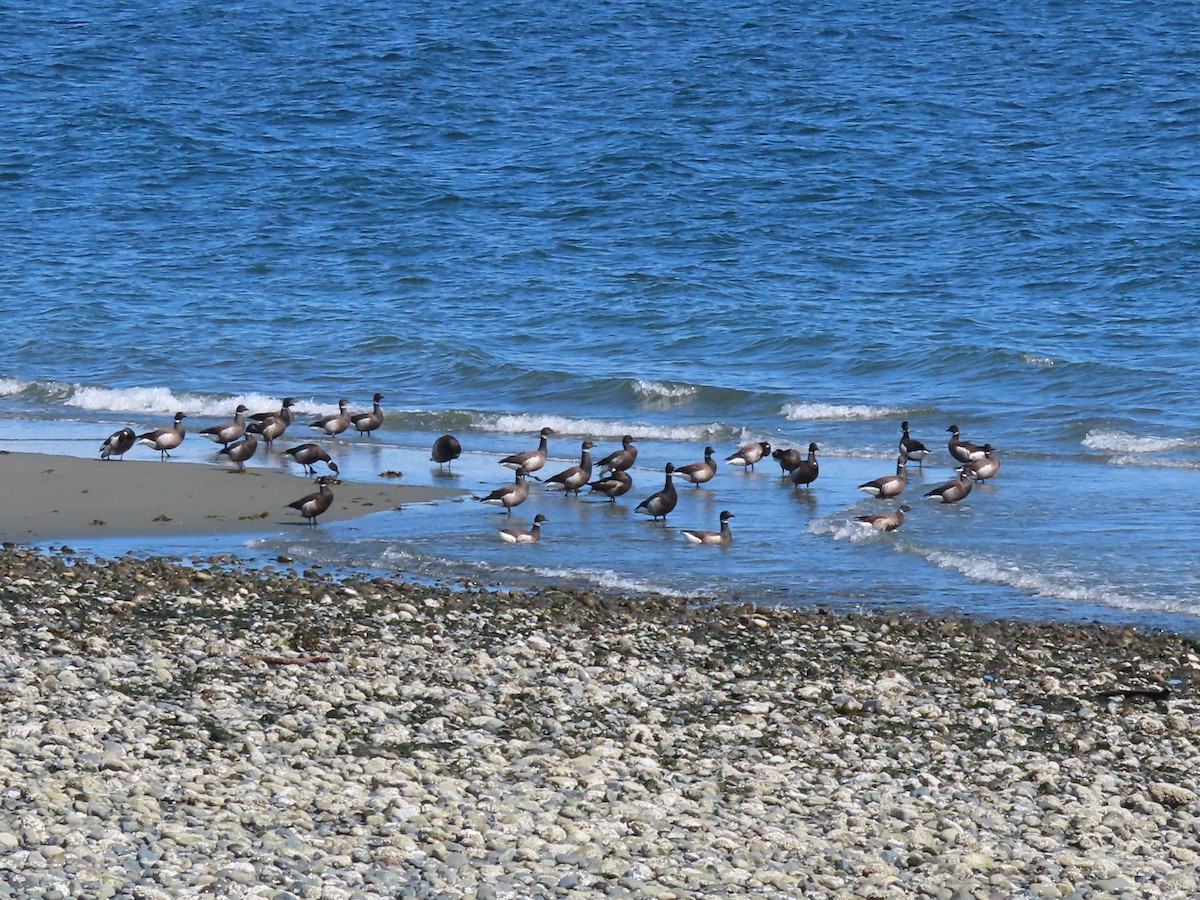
[888, 521]
[807, 470]
[228, 432]
[524, 536]
[987, 466]
[313, 505]
[446, 450]
[365, 423]
[530, 460]
[911, 448]
[572, 479]
[723, 538]
[620, 460]
[960, 450]
[699, 472]
[659, 504]
[613, 485]
[283, 414]
[336, 423]
[117, 443]
[788, 460]
[954, 490]
[308, 455]
[889, 485]
[164, 439]
[268, 428]
[509, 495]
[748, 455]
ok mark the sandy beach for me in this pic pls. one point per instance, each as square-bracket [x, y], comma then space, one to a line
[173, 731]
[64, 497]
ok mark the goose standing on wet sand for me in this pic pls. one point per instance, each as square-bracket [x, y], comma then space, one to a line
[523, 536]
[987, 466]
[699, 472]
[530, 460]
[509, 495]
[960, 450]
[241, 451]
[662, 502]
[807, 470]
[911, 448]
[313, 505]
[572, 479]
[164, 439]
[889, 485]
[446, 450]
[308, 455]
[620, 460]
[269, 428]
[613, 485]
[888, 521]
[787, 459]
[748, 455]
[335, 424]
[117, 443]
[954, 490]
[365, 423]
[723, 538]
[228, 432]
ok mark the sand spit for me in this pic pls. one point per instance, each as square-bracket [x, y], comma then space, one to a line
[174, 731]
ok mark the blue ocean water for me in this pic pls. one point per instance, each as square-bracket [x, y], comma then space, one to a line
[707, 223]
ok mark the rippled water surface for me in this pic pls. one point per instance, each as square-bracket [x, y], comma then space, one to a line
[703, 224]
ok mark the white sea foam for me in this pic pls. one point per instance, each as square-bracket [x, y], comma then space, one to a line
[1041, 362]
[1063, 586]
[1116, 441]
[842, 529]
[1153, 462]
[664, 390]
[800, 411]
[11, 386]
[608, 579]
[164, 400]
[523, 423]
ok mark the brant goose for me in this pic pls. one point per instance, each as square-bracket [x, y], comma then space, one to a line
[724, 537]
[336, 423]
[699, 472]
[529, 460]
[365, 423]
[270, 428]
[313, 505]
[308, 455]
[522, 536]
[888, 521]
[228, 432]
[241, 451]
[620, 460]
[164, 439]
[911, 448]
[509, 495]
[446, 450]
[117, 443]
[787, 459]
[613, 485]
[986, 467]
[807, 470]
[662, 502]
[284, 414]
[954, 490]
[572, 479]
[962, 451]
[889, 485]
[749, 454]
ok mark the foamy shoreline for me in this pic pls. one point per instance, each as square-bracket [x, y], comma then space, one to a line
[175, 731]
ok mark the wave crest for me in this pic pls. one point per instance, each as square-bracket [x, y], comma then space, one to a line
[801, 412]
[1117, 441]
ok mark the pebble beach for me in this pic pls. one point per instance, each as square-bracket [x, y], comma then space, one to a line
[212, 730]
